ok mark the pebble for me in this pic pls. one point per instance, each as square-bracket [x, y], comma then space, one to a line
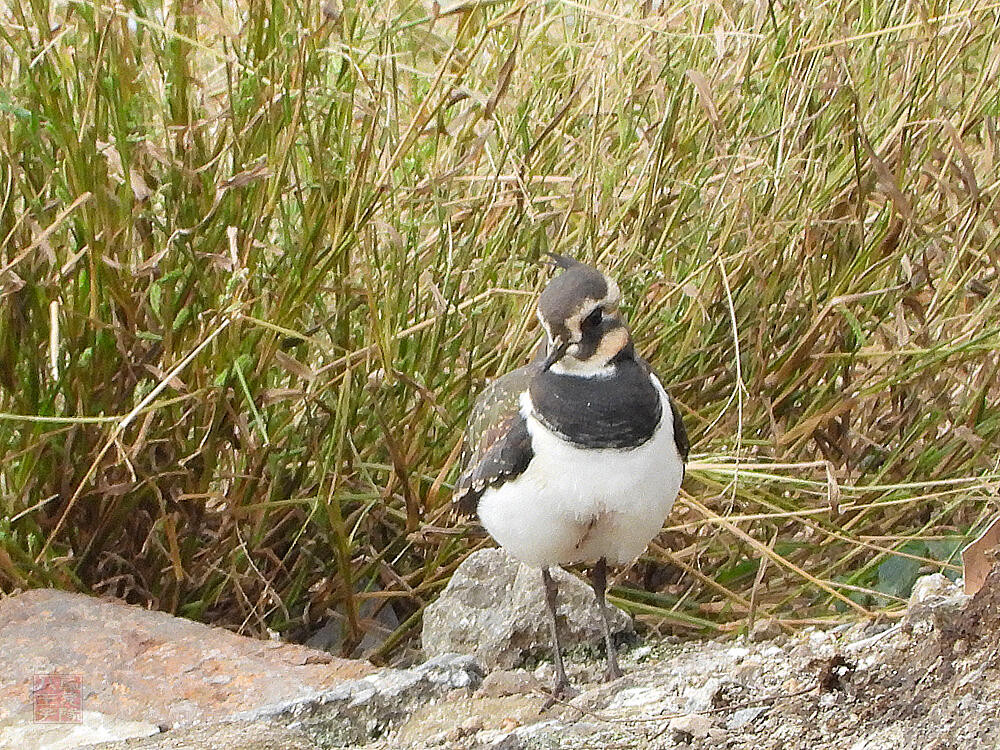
[641, 653]
[509, 724]
[718, 734]
[472, 725]
[544, 672]
[931, 587]
[738, 653]
[636, 697]
[505, 682]
[818, 638]
[701, 698]
[693, 725]
[829, 699]
[764, 630]
[744, 716]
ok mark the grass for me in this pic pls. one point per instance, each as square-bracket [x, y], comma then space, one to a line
[258, 258]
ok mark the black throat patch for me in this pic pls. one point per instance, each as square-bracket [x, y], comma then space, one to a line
[619, 411]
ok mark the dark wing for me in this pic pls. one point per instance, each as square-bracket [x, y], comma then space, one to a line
[497, 443]
[680, 431]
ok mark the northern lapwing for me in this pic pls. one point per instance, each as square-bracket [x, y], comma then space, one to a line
[578, 456]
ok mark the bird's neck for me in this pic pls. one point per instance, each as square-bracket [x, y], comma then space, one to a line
[596, 366]
[621, 408]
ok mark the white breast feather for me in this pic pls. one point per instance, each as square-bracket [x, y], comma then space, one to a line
[575, 504]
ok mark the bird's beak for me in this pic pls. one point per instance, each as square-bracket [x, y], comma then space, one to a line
[558, 352]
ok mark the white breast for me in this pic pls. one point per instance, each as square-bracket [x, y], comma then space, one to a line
[576, 504]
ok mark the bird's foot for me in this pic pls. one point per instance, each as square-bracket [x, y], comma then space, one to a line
[613, 672]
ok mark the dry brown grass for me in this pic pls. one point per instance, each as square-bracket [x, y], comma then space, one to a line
[283, 253]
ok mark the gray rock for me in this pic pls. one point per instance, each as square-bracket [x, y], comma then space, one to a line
[718, 735]
[935, 604]
[543, 735]
[641, 697]
[357, 711]
[932, 587]
[510, 742]
[23, 733]
[744, 716]
[702, 697]
[764, 630]
[493, 607]
[690, 725]
[503, 682]
[258, 735]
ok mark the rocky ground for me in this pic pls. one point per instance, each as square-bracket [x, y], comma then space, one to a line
[929, 680]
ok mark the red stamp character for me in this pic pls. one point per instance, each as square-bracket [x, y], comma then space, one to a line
[57, 698]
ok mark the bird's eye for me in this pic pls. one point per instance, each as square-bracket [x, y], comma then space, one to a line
[594, 319]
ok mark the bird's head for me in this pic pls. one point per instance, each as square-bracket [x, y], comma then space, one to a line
[579, 312]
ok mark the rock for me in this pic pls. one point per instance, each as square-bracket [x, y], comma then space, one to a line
[510, 742]
[141, 670]
[876, 634]
[718, 735]
[743, 716]
[702, 697]
[508, 682]
[934, 586]
[493, 607]
[471, 725]
[690, 725]
[24, 733]
[738, 653]
[151, 667]
[936, 603]
[764, 630]
[257, 735]
[548, 735]
[639, 697]
[357, 711]
[489, 719]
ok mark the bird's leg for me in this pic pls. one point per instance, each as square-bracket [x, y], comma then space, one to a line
[562, 683]
[599, 579]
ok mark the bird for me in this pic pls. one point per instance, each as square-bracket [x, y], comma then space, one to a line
[578, 456]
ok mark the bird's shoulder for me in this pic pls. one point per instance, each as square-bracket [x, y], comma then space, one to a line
[497, 443]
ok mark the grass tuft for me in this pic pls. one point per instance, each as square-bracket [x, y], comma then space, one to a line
[256, 260]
